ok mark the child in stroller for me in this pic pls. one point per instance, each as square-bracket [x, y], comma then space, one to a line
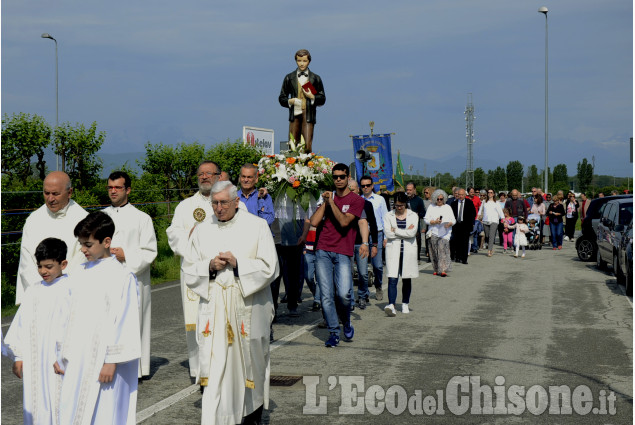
[533, 236]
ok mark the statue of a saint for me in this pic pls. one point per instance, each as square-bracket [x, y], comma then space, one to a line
[302, 92]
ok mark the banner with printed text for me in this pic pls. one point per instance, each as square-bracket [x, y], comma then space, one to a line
[379, 167]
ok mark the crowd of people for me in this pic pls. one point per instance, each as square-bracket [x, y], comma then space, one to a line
[81, 337]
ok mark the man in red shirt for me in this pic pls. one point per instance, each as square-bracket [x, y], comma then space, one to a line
[337, 219]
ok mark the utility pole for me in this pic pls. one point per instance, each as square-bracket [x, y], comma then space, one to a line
[469, 134]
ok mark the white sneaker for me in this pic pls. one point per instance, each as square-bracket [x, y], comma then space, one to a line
[390, 310]
[405, 309]
[566, 238]
[522, 256]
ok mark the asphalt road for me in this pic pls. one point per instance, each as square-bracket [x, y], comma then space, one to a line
[502, 329]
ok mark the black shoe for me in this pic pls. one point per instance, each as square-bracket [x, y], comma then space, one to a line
[283, 299]
[464, 261]
[316, 306]
[362, 304]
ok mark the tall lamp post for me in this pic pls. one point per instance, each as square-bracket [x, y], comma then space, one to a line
[57, 113]
[544, 10]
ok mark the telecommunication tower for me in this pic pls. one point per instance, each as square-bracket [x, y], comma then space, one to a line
[469, 134]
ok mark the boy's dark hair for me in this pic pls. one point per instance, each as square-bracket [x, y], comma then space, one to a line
[341, 167]
[118, 175]
[96, 224]
[51, 249]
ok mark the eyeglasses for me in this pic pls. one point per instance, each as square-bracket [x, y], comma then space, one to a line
[340, 176]
[207, 173]
[490, 192]
[117, 188]
[223, 204]
[440, 199]
[426, 193]
[366, 185]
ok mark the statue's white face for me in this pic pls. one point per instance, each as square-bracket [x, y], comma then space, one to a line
[303, 62]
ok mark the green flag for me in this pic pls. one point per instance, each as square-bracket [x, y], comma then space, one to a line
[400, 172]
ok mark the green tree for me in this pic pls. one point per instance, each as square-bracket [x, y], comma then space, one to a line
[560, 175]
[585, 175]
[480, 178]
[533, 178]
[77, 148]
[24, 136]
[514, 175]
[231, 156]
[497, 179]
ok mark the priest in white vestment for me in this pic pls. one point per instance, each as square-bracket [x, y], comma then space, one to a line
[134, 245]
[230, 264]
[55, 219]
[188, 214]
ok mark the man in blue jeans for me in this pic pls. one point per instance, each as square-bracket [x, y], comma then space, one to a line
[337, 218]
[379, 207]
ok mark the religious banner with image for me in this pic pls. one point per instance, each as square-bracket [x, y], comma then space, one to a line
[379, 166]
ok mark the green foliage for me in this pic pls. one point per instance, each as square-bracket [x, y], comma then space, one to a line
[585, 175]
[560, 175]
[497, 179]
[480, 178]
[231, 156]
[514, 175]
[533, 178]
[23, 137]
[77, 148]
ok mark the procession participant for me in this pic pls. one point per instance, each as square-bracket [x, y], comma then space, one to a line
[187, 215]
[380, 210]
[258, 202]
[415, 203]
[337, 220]
[55, 219]
[224, 177]
[135, 245]
[31, 335]
[464, 212]
[297, 94]
[230, 262]
[99, 345]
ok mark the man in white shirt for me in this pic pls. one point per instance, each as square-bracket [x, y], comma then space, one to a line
[188, 214]
[55, 219]
[379, 207]
[134, 244]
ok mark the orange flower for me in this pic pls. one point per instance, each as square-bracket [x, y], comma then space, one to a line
[296, 183]
[291, 160]
[277, 164]
[311, 164]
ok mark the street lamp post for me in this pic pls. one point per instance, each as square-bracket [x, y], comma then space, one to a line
[57, 113]
[544, 10]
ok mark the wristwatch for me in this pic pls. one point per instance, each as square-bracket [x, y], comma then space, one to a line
[365, 243]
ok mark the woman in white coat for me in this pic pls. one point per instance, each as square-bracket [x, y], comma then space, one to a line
[440, 219]
[400, 231]
[491, 215]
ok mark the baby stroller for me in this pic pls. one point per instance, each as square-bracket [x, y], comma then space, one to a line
[533, 237]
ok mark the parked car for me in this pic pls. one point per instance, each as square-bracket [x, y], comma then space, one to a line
[624, 269]
[616, 216]
[586, 245]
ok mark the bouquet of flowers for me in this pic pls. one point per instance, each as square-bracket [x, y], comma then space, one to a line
[301, 176]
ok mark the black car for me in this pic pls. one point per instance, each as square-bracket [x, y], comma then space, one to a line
[616, 215]
[624, 270]
[586, 245]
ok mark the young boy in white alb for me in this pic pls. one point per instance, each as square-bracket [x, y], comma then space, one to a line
[99, 346]
[31, 335]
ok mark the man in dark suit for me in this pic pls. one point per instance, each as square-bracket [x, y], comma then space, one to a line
[302, 103]
[465, 214]
[415, 203]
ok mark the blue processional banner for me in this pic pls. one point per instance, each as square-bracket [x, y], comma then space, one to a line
[380, 165]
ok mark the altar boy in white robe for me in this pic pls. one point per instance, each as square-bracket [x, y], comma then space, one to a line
[230, 264]
[30, 337]
[135, 245]
[99, 347]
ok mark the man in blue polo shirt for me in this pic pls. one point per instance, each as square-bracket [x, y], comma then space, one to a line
[258, 202]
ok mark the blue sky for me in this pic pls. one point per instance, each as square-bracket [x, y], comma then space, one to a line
[199, 70]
